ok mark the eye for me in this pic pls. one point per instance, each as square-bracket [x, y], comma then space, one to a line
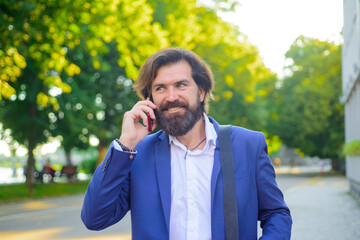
[159, 88]
[181, 85]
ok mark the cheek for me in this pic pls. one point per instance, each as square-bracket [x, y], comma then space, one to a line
[157, 100]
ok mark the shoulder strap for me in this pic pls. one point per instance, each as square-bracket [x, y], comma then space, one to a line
[229, 187]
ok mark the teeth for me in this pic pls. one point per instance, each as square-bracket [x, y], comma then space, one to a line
[173, 109]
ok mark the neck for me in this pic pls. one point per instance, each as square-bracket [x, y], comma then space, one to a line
[194, 136]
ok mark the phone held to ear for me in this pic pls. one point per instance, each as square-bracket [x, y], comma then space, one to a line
[150, 122]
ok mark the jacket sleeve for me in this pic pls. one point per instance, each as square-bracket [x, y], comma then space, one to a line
[273, 212]
[107, 197]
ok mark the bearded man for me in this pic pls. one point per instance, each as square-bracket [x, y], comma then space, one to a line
[171, 180]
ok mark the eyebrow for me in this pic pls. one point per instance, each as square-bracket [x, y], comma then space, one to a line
[177, 82]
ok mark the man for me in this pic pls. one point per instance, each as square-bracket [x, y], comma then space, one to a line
[171, 180]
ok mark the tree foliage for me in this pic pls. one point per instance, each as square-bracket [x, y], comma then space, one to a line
[242, 83]
[44, 31]
[36, 38]
[310, 116]
[99, 101]
[352, 148]
[67, 66]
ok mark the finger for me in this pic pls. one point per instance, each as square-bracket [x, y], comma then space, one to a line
[143, 117]
[147, 109]
[151, 104]
[151, 112]
[146, 102]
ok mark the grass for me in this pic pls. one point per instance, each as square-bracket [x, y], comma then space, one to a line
[12, 192]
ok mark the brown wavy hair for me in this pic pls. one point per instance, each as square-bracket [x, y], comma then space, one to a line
[201, 73]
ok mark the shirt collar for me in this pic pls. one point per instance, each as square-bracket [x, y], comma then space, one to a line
[210, 133]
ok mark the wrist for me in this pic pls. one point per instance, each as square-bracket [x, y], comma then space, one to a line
[124, 147]
[127, 142]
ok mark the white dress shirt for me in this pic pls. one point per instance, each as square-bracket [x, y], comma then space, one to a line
[190, 214]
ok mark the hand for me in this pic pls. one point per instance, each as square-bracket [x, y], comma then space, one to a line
[132, 131]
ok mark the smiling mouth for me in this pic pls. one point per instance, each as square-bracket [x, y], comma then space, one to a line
[173, 109]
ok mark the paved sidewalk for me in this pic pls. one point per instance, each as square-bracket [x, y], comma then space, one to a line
[322, 208]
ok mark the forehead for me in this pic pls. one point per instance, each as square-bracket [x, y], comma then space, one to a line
[173, 72]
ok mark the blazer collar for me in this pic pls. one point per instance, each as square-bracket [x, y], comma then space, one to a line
[163, 173]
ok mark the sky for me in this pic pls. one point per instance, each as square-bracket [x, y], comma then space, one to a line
[273, 25]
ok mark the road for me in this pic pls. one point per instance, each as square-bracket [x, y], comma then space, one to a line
[53, 219]
[59, 218]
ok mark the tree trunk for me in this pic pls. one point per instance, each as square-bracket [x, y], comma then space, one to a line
[102, 152]
[68, 157]
[30, 180]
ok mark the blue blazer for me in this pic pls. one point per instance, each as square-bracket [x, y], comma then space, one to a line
[142, 184]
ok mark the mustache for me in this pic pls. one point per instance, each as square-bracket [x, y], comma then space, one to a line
[176, 103]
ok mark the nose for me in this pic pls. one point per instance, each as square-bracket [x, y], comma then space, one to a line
[172, 94]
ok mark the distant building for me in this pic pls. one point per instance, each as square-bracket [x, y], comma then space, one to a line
[351, 86]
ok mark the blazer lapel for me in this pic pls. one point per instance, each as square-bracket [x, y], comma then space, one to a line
[163, 173]
[216, 166]
[215, 175]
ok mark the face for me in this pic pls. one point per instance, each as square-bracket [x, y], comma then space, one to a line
[178, 99]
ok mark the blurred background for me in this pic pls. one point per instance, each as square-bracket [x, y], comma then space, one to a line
[290, 69]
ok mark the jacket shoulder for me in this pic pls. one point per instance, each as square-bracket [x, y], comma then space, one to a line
[245, 133]
[247, 140]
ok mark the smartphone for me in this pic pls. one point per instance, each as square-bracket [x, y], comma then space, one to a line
[150, 122]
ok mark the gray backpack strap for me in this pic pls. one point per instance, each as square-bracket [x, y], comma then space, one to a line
[228, 177]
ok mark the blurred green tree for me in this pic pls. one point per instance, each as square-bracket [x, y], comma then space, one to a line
[28, 122]
[35, 39]
[243, 83]
[242, 80]
[97, 102]
[310, 116]
[71, 121]
[95, 49]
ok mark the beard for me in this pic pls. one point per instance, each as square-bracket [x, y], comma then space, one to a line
[179, 124]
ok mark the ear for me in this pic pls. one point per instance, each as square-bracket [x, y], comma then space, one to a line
[202, 94]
